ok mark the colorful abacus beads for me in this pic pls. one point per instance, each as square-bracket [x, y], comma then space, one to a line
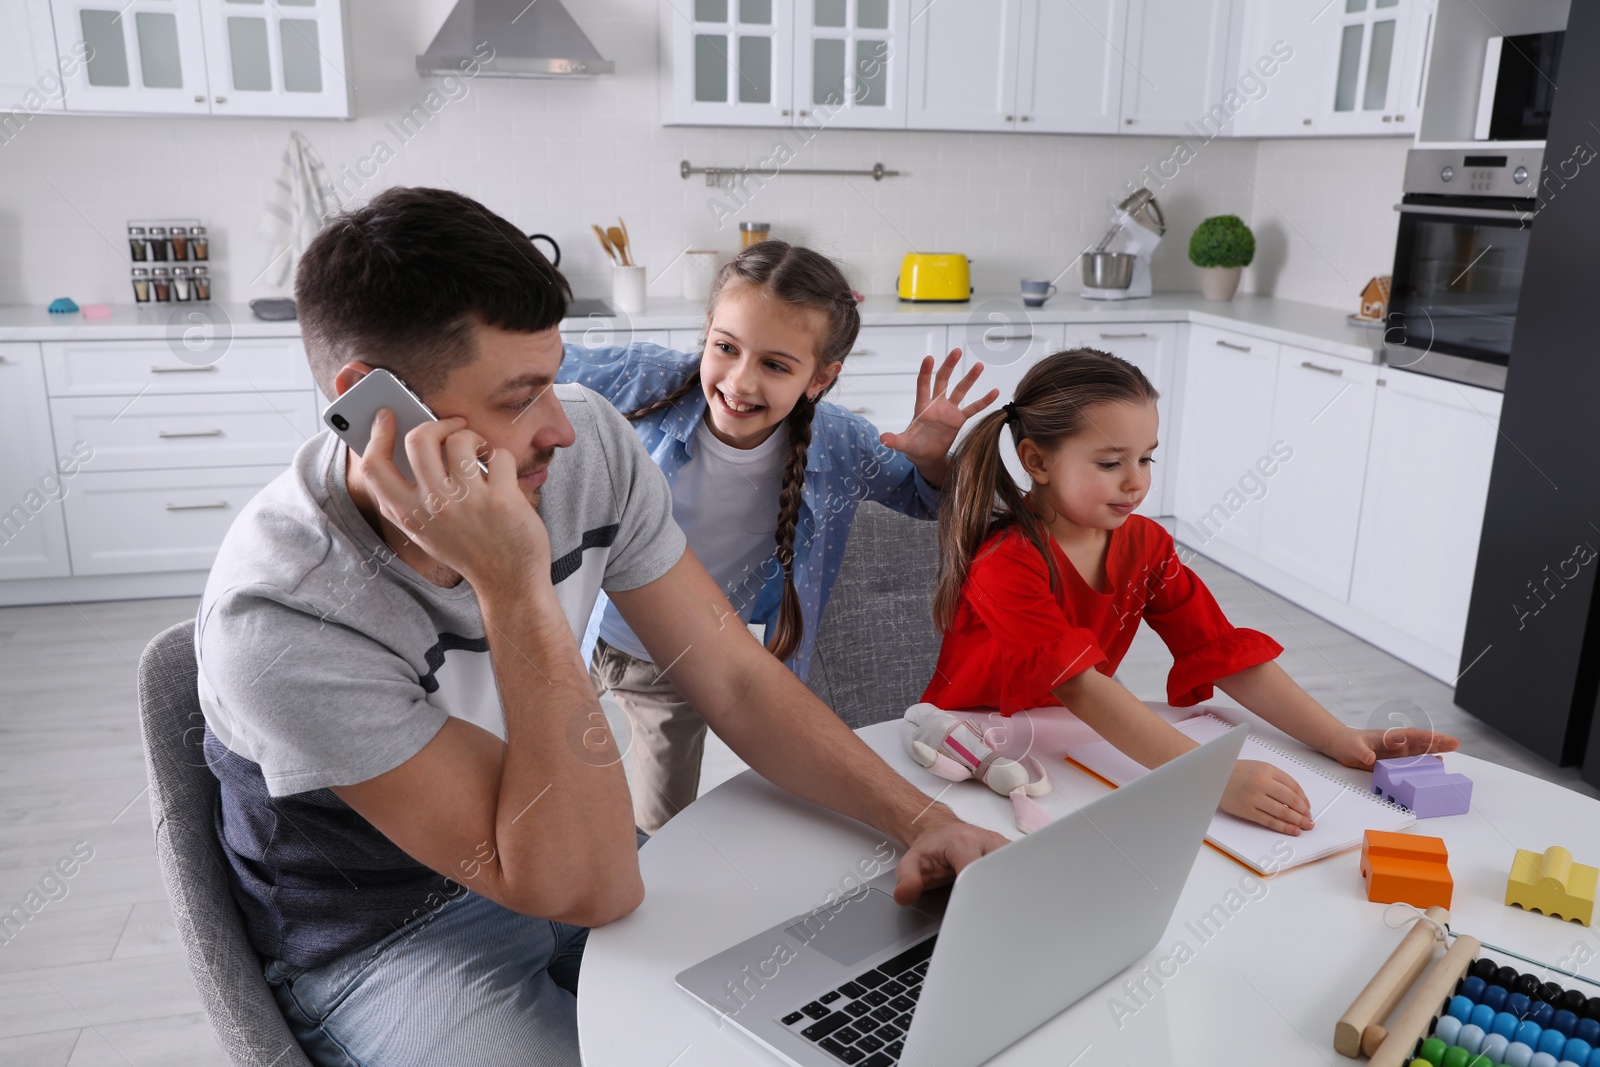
[1500, 1018]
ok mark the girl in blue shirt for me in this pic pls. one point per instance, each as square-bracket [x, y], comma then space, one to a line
[766, 477]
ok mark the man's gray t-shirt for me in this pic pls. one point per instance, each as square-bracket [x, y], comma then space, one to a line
[325, 660]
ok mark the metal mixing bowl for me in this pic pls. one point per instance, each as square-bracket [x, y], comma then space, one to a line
[1107, 270]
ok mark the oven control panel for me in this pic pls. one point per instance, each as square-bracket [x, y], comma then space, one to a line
[1486, 171]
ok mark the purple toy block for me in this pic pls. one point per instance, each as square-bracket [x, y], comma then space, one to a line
[1422, 784]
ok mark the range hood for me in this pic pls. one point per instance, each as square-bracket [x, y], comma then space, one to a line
[536, 39]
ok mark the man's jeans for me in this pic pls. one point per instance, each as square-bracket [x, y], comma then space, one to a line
[470, 982]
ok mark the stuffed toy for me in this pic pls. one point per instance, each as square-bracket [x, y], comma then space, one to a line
[955, 750]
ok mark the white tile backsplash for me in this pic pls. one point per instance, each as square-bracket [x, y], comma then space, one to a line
[556, 156]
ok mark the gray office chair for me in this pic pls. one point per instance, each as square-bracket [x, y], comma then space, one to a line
[183, 805]
[877, 645]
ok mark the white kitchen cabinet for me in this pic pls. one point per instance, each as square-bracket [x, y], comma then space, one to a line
[1152, 347]
[1177, 55]
[30, 72]
[159, 432]
[879, 379]
[850, 62]
[145, 56]
[283, 58]
[131, 522]
[33, 534]
[730, 61]
[1427, 482]
[1322, 414]
[1070, 66]
[1229, 381]
[1377, 48]
[1031, 65]
[964, 64]
[1280, 70]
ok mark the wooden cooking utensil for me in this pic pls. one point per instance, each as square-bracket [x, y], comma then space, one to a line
[605, 242]
[621, 241]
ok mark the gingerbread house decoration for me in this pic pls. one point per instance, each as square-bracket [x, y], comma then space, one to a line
[1375, 299]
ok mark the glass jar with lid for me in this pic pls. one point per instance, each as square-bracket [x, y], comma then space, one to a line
[141, 285]
[138, 244]
[199, 243]
[161, 284]
[202, 284]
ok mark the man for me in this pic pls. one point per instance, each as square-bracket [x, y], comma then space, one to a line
[420, 803]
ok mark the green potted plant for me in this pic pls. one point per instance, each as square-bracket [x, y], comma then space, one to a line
[1222, 246]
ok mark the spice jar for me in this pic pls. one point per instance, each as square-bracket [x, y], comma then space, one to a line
[161, 283]
[753, 233]
[158, 243]
[180, 284]
[199, 244]
[202, 283]
[179, 236]
[141, 285]
[138, 244]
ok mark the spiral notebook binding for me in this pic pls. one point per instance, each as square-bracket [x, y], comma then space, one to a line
[1314, 769]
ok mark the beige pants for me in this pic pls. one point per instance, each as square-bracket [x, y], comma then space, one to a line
[668, 736]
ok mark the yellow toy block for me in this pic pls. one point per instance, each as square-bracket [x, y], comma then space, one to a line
[1552, 884]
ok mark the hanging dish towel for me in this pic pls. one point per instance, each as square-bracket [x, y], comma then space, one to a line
[302, 199]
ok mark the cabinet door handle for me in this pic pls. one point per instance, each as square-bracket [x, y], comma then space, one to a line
[1027, 118]
[862, 352]
[1122, 336]
[990, 335]
[189, 433]
[1388, 118]
[1335, 371]
[196, 507]
[1011, 118]
[861, 411]
[1230, 344]
[183, 370]
[784, 112]
[3, 359]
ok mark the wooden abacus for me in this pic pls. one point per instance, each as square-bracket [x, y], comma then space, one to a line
[1362, 1028]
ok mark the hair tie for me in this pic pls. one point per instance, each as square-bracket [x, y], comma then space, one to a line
[1010, 408]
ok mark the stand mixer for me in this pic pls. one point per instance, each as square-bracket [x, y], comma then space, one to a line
[1124, 273]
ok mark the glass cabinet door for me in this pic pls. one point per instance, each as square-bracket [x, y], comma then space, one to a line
[732, 62]
[276, 57]
[141, 56]
[850, 62]
[1372, 75]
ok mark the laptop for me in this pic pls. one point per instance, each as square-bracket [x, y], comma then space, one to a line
[869, 983]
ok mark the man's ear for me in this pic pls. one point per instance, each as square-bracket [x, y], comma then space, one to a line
[348, 375]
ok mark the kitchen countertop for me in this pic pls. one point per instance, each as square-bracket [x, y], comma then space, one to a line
[1311, 326]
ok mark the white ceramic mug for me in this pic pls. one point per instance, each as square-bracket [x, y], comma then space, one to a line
[699, 271]
[627, 288]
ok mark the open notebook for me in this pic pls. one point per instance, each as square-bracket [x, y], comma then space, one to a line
[1342, 814]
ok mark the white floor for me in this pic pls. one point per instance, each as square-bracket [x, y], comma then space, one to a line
[97, 976]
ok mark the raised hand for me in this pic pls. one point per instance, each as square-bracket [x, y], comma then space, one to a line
[938, 415]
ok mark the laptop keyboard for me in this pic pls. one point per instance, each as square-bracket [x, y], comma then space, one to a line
[864, 1022]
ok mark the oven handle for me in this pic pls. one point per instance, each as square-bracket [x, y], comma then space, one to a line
[1464, 212]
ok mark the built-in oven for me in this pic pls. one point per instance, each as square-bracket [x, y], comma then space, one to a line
[1465, 220]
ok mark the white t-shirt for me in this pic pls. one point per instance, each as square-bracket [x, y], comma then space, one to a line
[726, 501]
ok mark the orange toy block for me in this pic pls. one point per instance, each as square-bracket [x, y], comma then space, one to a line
[1406, 868]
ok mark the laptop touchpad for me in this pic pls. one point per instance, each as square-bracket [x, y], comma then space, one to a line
[860, 925]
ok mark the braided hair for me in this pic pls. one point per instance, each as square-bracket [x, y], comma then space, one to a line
[802, 278]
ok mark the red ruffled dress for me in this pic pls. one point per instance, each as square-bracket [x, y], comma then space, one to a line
[1013, 639]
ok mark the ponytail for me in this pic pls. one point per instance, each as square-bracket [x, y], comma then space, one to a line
[981, 498]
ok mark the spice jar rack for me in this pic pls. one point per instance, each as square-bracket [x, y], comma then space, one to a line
[171, 261]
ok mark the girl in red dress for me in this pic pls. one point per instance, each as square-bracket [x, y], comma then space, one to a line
[1040, 593]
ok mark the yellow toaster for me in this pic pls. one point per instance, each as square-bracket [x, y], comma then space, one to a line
[934, 278]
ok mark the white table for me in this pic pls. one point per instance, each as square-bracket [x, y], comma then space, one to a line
[1264, 988]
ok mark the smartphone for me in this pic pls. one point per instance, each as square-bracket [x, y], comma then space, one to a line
[351, 415]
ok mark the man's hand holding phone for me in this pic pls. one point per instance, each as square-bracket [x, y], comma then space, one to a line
[481, 527]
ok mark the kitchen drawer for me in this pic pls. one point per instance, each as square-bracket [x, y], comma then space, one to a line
[127, 368]
[885, 400]
[127, 522]
[894, 350]
[160, 432]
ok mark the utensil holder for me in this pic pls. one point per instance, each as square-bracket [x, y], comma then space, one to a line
[627, 288]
